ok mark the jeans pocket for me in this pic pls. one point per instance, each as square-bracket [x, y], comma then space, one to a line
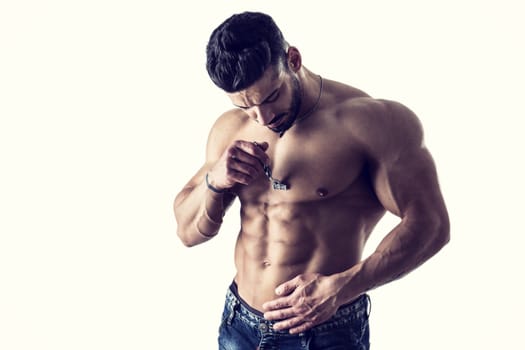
[348, 335]
[229, 312]
[360, 333]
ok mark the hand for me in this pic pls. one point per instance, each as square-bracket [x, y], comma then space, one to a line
[306, 301]
[242, 162]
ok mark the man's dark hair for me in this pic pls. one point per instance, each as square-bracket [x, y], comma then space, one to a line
[242, 48]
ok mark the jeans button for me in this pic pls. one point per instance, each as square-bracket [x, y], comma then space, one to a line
[263, 327]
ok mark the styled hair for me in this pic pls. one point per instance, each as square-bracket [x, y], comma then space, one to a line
[242, 48]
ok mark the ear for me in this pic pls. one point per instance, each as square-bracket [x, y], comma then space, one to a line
[294, 59]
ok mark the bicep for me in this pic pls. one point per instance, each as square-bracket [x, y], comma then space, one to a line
[408, 183]
[404, 174]
[219, 137]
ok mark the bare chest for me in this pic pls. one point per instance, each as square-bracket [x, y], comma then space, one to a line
[308, 166]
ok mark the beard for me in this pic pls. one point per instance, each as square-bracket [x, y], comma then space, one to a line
[293, 110]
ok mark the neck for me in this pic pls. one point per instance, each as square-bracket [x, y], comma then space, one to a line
[311, 90]
[310, 86]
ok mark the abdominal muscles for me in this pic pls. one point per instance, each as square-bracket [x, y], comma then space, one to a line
[278, 242]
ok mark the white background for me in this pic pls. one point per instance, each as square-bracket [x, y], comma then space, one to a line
[105, 108]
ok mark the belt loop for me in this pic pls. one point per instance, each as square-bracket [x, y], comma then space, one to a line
[368, 307]
[233, 305]
[306, 337]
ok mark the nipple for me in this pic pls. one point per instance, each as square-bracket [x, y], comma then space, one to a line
[321, 192]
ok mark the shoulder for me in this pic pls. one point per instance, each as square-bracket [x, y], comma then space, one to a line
[381, 116]
[224, 130]
[382, 127]
[365, 113]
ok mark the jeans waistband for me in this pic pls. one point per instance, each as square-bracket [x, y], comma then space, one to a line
[359, 308]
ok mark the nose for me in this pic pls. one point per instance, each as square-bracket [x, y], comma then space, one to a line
[263, 114]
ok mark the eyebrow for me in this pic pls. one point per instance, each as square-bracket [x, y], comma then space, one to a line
[266, 100]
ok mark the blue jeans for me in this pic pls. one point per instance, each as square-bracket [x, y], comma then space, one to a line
[243, 328]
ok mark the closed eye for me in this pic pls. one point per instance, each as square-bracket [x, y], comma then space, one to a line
[273, 97]
[270, 99]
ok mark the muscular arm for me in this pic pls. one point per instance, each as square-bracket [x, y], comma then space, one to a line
[405, 181]
[199, 210]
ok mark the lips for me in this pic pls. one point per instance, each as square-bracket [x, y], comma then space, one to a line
[276, 122]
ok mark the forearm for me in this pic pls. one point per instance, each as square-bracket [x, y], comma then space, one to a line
[199, 212]
[405, 248]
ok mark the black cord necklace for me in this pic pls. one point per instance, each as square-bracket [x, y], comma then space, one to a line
[308, 113]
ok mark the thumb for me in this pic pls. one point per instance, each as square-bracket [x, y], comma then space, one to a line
[263, 145]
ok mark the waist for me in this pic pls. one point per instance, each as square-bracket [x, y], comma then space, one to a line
[357, 309]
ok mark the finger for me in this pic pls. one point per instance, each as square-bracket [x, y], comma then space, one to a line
[239, 177]
[287, 287]
[239, 158]
[277, 304]
[260, 150]
[262, 145]
[254, 150]
[302, 327]
[236, 164]
[280, 314]
[294, 323]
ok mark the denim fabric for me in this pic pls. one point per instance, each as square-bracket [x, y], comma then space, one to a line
[243, 328]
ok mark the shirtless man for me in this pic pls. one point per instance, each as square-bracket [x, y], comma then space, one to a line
[315, 165]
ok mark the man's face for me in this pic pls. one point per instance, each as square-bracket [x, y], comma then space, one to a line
[273, 101]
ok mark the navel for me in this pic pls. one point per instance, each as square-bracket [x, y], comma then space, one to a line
[322, 192]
